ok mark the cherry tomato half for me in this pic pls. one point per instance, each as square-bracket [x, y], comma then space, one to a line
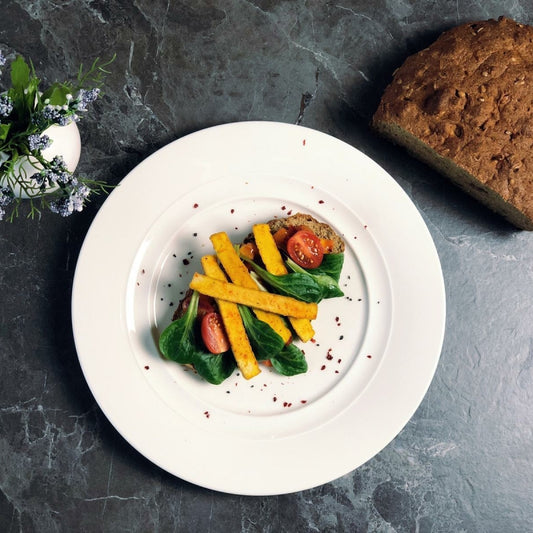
[305, 249]
[214, 334]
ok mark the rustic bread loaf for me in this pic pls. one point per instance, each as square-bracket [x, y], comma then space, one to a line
[464, 105]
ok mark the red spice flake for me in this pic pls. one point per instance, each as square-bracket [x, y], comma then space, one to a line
[369, 357]
[138, 284]
[303, 401]
[147, 367]
[287, 404]
[303, 142]
[323, 367]
[329, 357]
[365, 226]
[232, 211]
[313, 340]
[336, 371]
[206, 413]
[195, 234]
[143, 271]
[320, 201]
[289, 212]
[195, 206]
[274, 399]
[339, 361]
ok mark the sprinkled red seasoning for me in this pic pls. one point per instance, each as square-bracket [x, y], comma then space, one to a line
[283, 208]
[147, 367]
[323, 367]
[195, 206]
[206, 413]
[320, 201]
[232, 211]
[303, 401]
[303, 142]
[339, 361]
[274, 399]
[143, 271]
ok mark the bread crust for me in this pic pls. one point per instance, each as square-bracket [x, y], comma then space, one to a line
[464, 105]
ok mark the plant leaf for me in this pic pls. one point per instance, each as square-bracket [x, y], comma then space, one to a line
[265, 342]
[20, 74]
[290, 361]
[214, 368]
[177, 341]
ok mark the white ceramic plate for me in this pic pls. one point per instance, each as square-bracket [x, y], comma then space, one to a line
[375, 350]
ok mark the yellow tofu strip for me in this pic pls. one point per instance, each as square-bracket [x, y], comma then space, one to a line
[238, 273]
[240, 345]
[273, 303]
[273, 261]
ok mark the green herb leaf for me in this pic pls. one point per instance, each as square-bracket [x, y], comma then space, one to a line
[290, 361]
[214, 368]
[57, 94]
[178, 340]
[331, 265]
[297, 284]
[265, 342]
[328, 285]
[4, 130]
[20, 74]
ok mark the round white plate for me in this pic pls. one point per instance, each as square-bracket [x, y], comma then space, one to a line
[375, 350]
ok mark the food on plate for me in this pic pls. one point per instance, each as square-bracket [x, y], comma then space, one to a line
[464, 106]
[254, 299]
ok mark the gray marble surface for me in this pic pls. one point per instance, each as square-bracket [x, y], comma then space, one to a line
[464, 462]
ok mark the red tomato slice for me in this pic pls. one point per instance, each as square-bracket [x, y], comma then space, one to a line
[305, 249]
[214, 334]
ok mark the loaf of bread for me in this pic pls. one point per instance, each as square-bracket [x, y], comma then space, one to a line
[464, 105]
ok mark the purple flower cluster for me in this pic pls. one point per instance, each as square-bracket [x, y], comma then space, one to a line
[53, 114]
[85, 98]
[66, 205]
[6, 105]
[6, 197]
[38, 142]
[55, 173]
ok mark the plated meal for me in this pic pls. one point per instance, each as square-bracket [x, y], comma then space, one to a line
[211, 236]
[276, 279]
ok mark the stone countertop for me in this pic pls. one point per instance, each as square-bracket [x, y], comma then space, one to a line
[464, 462]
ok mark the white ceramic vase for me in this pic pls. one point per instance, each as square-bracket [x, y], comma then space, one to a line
[66, 142]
